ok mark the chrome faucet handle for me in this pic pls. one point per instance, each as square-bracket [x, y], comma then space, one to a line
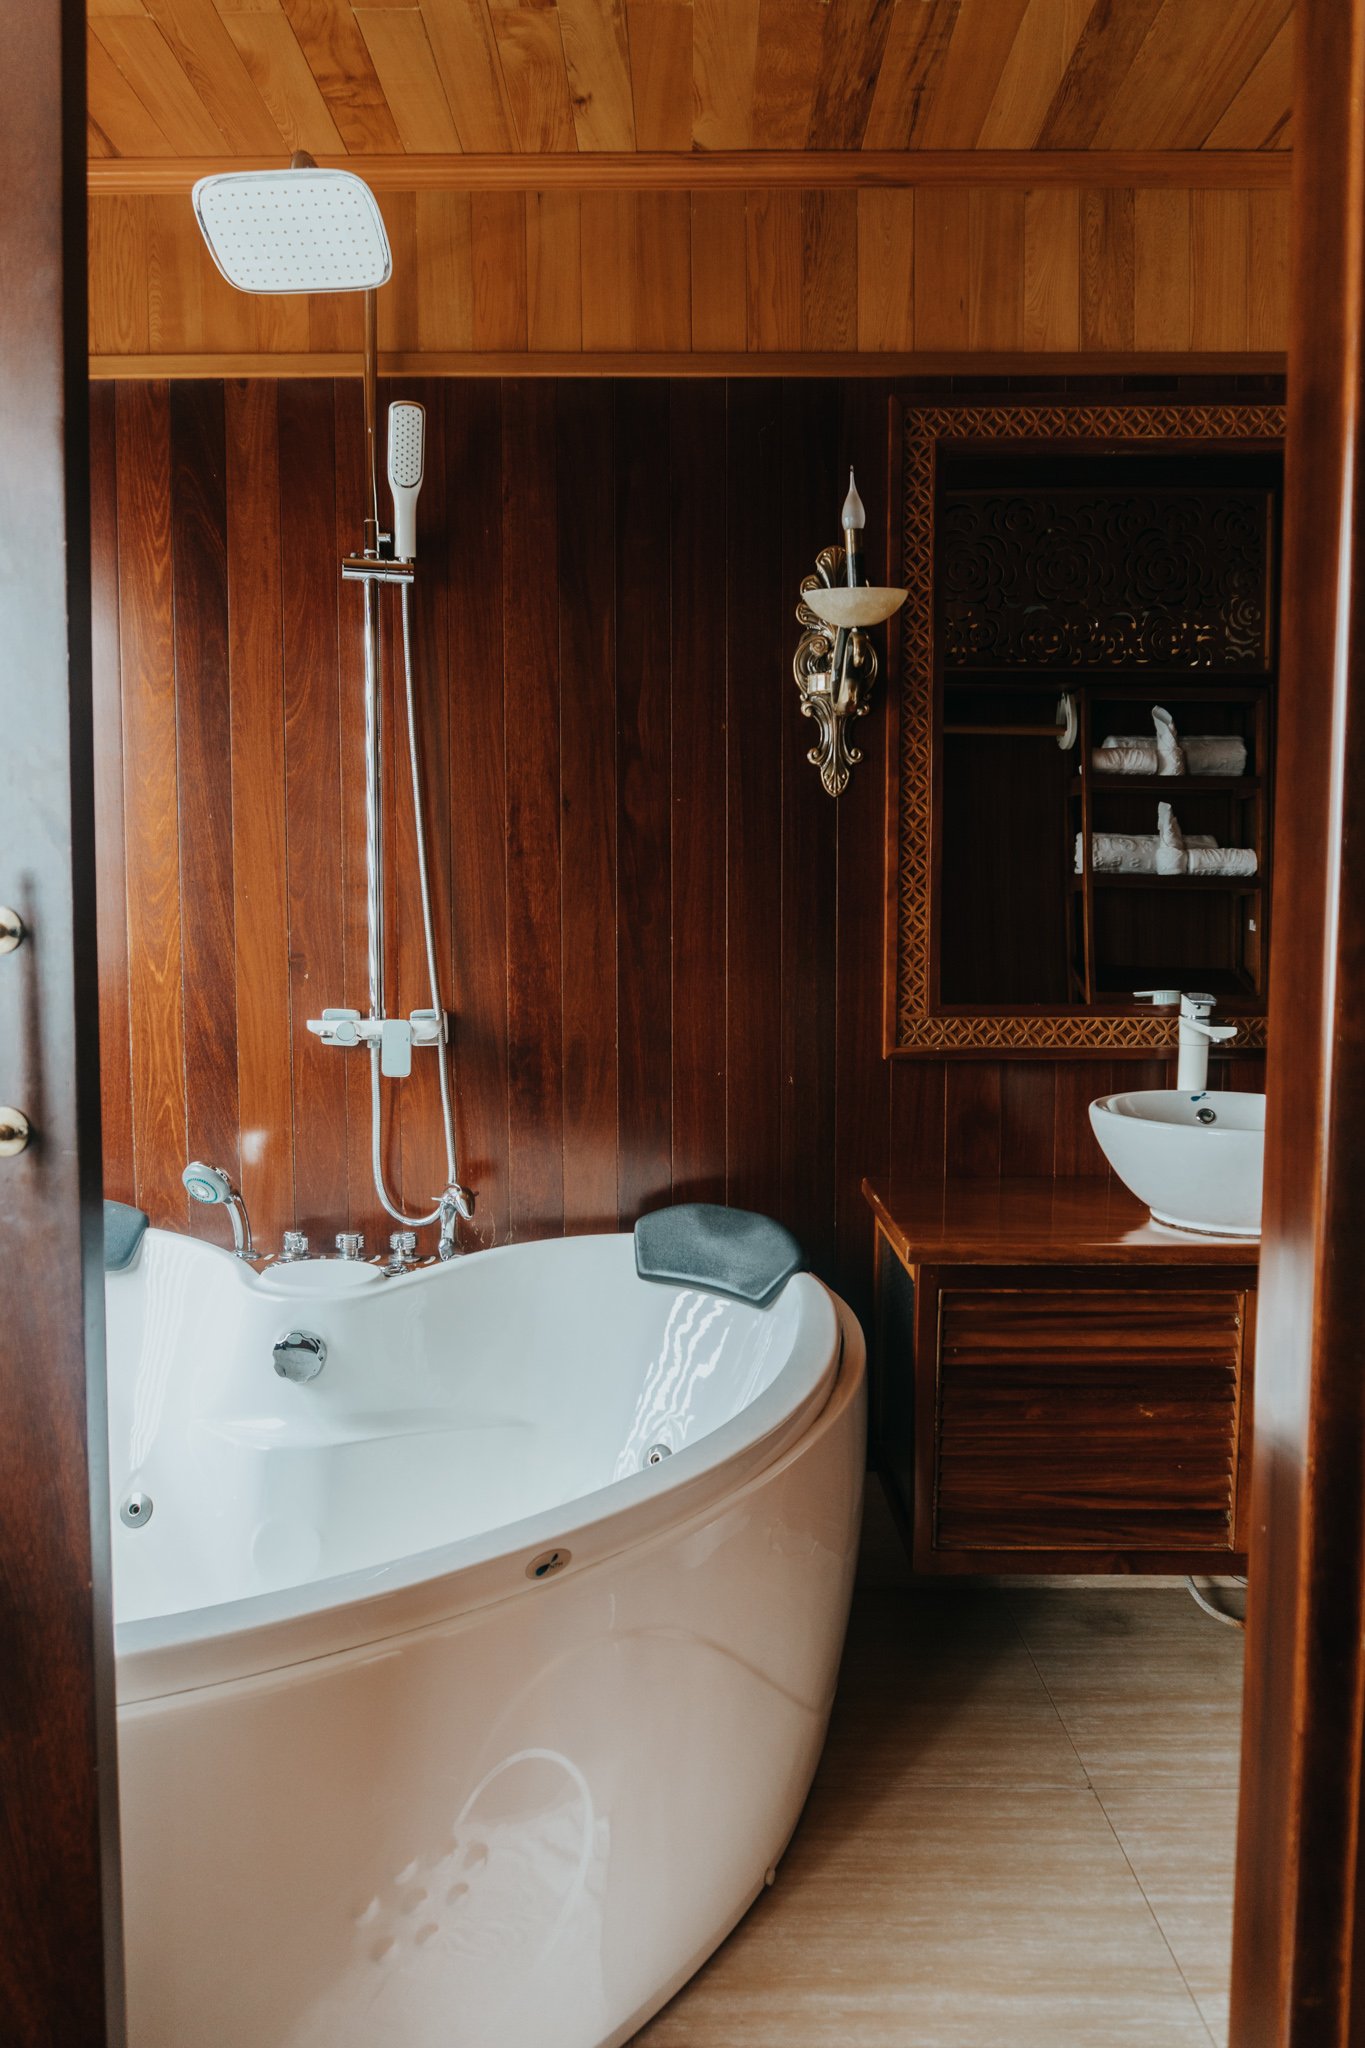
[402, 1252]
[295, 1246]
[350, 1244]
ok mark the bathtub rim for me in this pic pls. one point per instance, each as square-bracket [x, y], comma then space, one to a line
[269, 1630]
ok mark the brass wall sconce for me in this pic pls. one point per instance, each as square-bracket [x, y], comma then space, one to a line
[836, 664]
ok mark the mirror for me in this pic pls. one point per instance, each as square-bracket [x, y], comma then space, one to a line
[1082, 768]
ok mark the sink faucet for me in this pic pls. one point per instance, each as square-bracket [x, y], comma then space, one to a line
[1196, 1035]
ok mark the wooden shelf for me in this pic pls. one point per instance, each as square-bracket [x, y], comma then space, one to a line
[1117, 980]
[1176, 885]
[1166, 785]
[1147, 682]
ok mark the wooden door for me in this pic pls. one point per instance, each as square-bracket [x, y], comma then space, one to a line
[1298, 1961]
[59, 1949]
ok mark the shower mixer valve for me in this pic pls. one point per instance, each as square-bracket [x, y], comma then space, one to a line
[394, 1036]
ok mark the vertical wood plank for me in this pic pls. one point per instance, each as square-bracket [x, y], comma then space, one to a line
[719, 268]
[554, 283]
[697, 793]
[1051, 315]
[260, 897]
[774, 253]
[585, 464]
[1268, 289]
[886, 270]
[498, 241]
[1220, 235]
[1162, 317]
[973, 1120]
[1107, 284]
[995, 307]
[360, 1204]
[1028, 1115]
[862, 1078]
[919, 1126]
[116, 1084]
[312, 776]
[663, 271]
[445, 250]
[204, 806]
[535, 992]
[758, 607]
[942, 267]
[814, 481]
[644, 952]
[147, 655]
[608, 226]
[1078, 1082]
[478, 809]
[829, 270]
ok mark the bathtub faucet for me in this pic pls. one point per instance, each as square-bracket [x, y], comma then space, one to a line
[455, 1203]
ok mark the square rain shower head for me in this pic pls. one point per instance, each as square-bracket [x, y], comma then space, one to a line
[293, 231]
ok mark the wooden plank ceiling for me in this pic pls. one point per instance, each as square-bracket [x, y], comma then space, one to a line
[188, 78]
[708, 180]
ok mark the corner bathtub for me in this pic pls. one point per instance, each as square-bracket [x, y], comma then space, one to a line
[387, 1781]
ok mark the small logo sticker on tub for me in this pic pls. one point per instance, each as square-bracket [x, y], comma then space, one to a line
[548, 1563]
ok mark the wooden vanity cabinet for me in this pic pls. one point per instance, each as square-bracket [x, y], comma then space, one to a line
[1058, 1384]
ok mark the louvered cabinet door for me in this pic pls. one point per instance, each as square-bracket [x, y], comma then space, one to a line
[1101, 1421]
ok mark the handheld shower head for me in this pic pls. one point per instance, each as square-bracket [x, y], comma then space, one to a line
[407, 443]
[207, 1184]
[300, 230]
[210, 1185]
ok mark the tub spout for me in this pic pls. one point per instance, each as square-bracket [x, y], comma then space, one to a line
[455, 1203]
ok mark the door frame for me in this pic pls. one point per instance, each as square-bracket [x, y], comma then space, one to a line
[61, 1956]
[1298, 1918]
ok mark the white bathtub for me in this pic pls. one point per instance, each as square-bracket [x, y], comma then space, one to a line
[382, 1785]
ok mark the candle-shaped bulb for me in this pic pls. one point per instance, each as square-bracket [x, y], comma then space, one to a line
[855, 519]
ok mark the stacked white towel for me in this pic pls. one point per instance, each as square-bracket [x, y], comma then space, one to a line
[1177, 855]
[1215, 753]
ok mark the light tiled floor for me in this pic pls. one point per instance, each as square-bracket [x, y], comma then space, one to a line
[1021, 1836]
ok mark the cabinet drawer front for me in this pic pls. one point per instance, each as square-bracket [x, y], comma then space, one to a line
[1087, 1419]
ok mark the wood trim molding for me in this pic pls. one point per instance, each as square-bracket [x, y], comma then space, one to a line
[913, 1026]
[691, 363]
[739, 170]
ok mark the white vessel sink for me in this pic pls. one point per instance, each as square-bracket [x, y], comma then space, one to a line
[1194, 1159]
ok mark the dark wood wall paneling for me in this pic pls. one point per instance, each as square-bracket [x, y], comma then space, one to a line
[663, 942]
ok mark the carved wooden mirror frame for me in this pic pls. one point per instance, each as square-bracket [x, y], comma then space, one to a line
[913, 1027]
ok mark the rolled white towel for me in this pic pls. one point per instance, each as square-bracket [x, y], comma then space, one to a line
[1129, 755]
[1126, 853]
[1214, 753]
[1177, 855]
